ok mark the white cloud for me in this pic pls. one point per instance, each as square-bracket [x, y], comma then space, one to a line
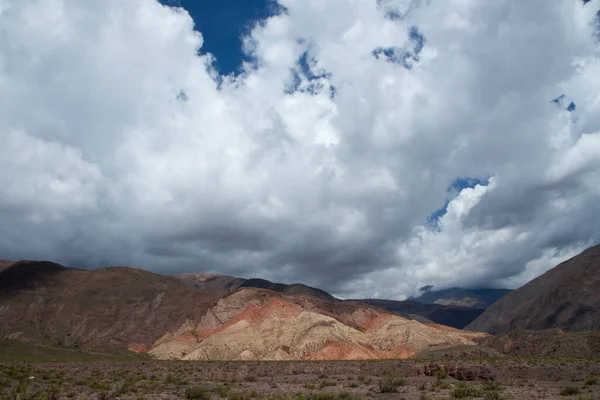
[118, 146]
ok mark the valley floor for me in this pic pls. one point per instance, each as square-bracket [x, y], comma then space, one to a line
[506, 378]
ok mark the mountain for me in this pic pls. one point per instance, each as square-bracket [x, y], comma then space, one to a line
[211, 282]
[454, 316]
[294, 289]
[171, 318]
[258, 324]
[565, 297]
[110, 308]
[223, 282]
[543, 343]
[475, 298]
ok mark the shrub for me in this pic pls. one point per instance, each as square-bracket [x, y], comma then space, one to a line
[569, 391]
[441, 373]
[463, 391]
[221, 390]
[591, 380]
[53, 393]
[439, 384]
[323, 384]
[240, 396]
[173, 380]
[390, 385]
[196, 393]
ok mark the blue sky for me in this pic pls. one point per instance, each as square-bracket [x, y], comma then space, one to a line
[454, 189]
[222, 24]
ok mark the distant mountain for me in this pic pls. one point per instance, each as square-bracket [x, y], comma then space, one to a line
[216, 282]
[294, 289]
[454, 316]
[475, 298]
[171, 318]
[565, 297]
[211, 282]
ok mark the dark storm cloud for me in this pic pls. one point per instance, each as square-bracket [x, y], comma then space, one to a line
[317, 163]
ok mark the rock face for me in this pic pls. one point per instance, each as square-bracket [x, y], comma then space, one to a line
[454, 316]
[126, 308]
[256, 324]
[566, 297]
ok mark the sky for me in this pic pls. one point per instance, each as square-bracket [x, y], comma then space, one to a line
[223, 24]
[366, 147]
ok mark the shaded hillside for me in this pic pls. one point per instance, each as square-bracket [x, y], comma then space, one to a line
[223, 282]
[294, 289]
[126, 308]
[212, 282]
[456, 317]
[5, 264]
[565, 297]
[548, 342]
[524, 343]
[474, 298]
[110, 308]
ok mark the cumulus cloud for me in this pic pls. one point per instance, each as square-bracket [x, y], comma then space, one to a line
[322, 160]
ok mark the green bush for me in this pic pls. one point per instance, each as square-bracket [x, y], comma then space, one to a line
[463, 391]
[221, 390]
[570, 391]
[391, 385]
[196, 393]
[591, 380]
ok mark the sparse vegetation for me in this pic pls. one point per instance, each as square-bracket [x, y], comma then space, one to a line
[391, 385]
[326, 383]
[196, 393]
[14, 351]
[155, 380]
[591, 380]
[570, 391]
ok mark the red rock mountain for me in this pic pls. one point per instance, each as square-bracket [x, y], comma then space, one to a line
[126, 308]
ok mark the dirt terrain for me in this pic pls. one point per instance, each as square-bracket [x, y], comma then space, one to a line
[407, 379]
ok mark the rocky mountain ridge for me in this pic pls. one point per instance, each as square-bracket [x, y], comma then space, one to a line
[127, 308]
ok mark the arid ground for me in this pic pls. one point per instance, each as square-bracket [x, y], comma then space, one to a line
[28, 372]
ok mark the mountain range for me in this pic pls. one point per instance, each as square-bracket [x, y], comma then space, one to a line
[217, 317]
[178, 318]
